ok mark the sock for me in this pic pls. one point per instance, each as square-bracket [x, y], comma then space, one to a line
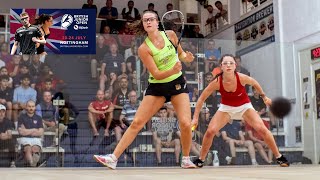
[279, 156]
[253, 161]
[114, 157]
[185, 157]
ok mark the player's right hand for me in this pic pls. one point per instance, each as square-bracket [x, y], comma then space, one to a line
[194, 122]
[177, 67]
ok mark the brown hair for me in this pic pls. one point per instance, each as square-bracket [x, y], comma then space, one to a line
[137, 26]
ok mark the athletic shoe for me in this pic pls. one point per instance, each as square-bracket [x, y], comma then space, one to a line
[187, 163]
[282, 161]
[106, 160]
[198, 162]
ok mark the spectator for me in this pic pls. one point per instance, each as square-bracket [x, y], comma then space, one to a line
[4, 72]
[259, 143]
[120, 98]
[172, 16]
[6, 95]
[100, 114]
[50, 116]
[108, 12]
[151, 8]
[222, 15]
[30, 128]
[24, 70]
[112, 62]
[101, 50]
[196, 32]
[129, 109]
[164, 134]
[68, 112]
[4, 54]
[132, 13]
[21, 95]
[6, 140]
[12, 67]
[241, 69]
[90, 5]
[212, 55]
[211, 18]
[233, 136]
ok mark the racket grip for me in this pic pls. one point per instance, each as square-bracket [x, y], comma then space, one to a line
[193, 127]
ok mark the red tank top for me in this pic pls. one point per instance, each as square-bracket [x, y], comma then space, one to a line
[101, 106]
[237, 98]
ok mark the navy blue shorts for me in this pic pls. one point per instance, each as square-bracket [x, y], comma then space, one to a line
[168, 89]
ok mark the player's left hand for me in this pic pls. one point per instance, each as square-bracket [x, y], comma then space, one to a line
[189, 57]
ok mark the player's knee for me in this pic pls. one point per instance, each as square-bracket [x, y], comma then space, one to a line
[136, 124]
[211, 132]
[185, 124]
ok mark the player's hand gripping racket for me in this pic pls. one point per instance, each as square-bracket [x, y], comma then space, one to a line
[173, 20]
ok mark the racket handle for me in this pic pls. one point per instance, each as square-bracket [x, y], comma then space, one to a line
[193, 127]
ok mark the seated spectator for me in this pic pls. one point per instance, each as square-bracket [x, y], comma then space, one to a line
[101, 50]
[151, 8]
[131, 13]
[120, 98]
[30, 128]
[196, 32]
[129, 110]
[164, 134]
[50, 116]
[112, 62]
[47, 85]
[68, 112]
[100, 114]
[241, 69]
[35, 68]
[4, 54]
[131, 51]
[108, 12]
[233, 136]
[212, 55]
[13, 65]
[6, 95]
[259, 143]
[24, 70]
[21, 95]
[126, 36]
[90, 5]
[108, 38]
[4, 72]
[6, 140]
[172, 16]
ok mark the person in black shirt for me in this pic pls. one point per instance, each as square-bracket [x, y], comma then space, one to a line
[26, 37]
[90, 5]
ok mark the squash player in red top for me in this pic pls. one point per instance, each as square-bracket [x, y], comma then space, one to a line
[235, 104]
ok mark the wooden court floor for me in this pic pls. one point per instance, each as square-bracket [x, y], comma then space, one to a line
[301, 172]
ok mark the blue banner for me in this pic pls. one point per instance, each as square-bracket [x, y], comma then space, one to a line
[73, 30]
